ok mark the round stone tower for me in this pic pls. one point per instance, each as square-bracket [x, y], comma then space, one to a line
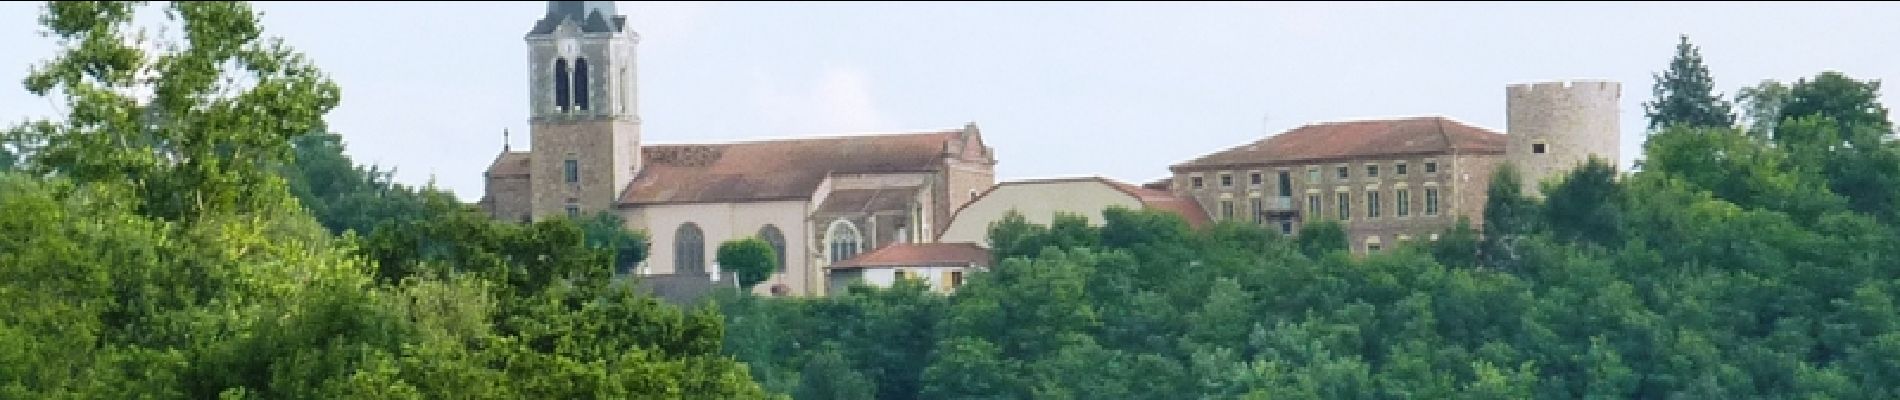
[1552, 127]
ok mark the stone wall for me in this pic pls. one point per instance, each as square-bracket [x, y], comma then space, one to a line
[1573, 120]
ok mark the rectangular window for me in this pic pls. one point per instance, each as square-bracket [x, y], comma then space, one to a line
[1537, 148]
[1226, 210]
[573, 211]
[1312, 175]
[1398, 169]
[1286, 227]
[1372, 247]
[1286, 184]
[1226, 180]
[1197, 182]
[1345, 206]
[1257, 179]
[572, 170]
[1431, 167]
[1431, 201]
[898, 275]
[1259, 210]
[1404, 202]
[1313, 207]
[1372, 204]
[1372, 171]
[956, 279]
[1345, 172]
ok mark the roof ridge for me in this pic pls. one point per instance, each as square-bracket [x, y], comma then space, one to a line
[817, 137]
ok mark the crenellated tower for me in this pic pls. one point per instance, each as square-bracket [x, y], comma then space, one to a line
[1553, 127]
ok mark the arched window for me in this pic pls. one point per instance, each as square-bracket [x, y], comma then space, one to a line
[771, 235]
[689, 250]
[843, 240]
[560, 84]
[581, 89]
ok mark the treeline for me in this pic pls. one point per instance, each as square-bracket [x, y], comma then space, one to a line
[212, 241]
[1746, 259]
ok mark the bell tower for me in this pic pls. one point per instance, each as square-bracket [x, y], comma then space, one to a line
[584, 126]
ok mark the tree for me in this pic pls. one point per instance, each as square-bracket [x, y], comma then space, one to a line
[1684, 94]
[827, 375]
[607, 231]
[1585, 206]
[1508, 215]
[1831, 94]
[207, 136]
[1318, 238]
[752, 259]
[1761, 106]
[1458, 247]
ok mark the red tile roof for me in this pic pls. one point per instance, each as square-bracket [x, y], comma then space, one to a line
[1356, 139]
[914, 254]
[510, 164]
[777, 169]
[1187, 208]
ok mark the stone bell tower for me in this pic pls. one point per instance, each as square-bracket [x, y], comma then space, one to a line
[584, 124]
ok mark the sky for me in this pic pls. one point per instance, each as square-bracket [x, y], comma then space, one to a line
[1120, 90]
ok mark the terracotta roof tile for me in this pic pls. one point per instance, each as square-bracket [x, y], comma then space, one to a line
[903, 254]
[1353, 139]
[776, 169]
[868, 200]
[1187, 208]
[510, 164]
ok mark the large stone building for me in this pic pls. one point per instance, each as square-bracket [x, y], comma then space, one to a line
[1400, 179]
[818, 200]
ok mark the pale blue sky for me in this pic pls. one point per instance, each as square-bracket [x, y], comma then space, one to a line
[1114, 89]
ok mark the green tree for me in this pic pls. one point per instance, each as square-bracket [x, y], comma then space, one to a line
[1761, 106]
[224, 105]
[1508, 216]
[1586, 205]
[1458, 246]
[1318, 238]
[1684, 94]
[607, 231]
[827, 375]
[1845, 100]
[752, 259]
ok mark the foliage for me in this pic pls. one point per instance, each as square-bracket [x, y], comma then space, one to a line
[752, 259]
[173, 247]
[1684, 94]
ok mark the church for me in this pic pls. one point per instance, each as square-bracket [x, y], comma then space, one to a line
[817, 200]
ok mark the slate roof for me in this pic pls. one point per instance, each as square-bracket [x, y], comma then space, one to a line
[777, 169]
[917, 254]
[1358, 139]
[592, 16]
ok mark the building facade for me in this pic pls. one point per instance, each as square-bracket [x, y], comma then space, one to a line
[817, 200]
[1385, 181]
[1389, 181]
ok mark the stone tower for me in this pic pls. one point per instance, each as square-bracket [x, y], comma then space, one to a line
[1553, 127]
[583, 118]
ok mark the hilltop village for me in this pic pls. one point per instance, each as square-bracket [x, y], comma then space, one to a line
[881, 207]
